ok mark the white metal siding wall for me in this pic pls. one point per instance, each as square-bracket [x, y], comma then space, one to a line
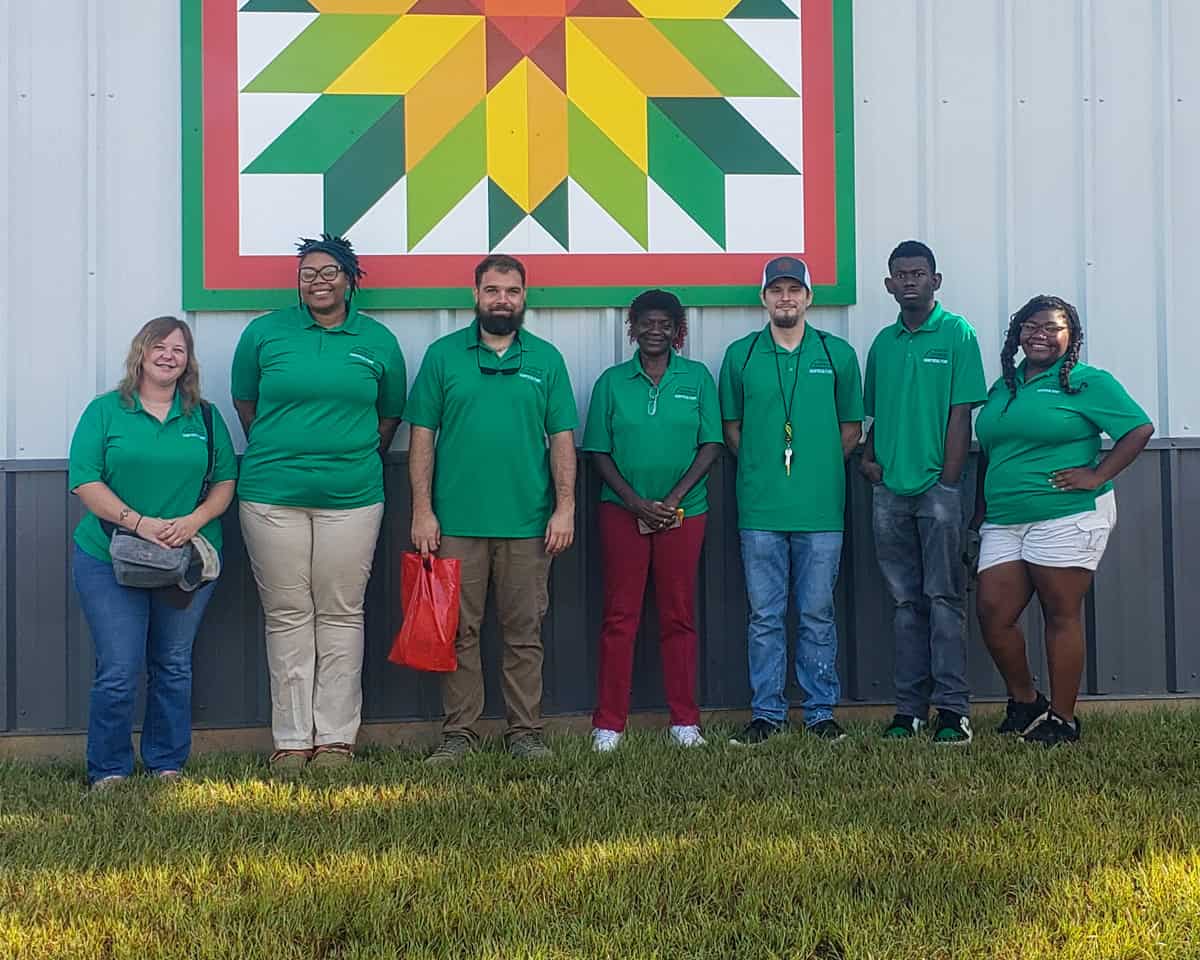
[1037, 145]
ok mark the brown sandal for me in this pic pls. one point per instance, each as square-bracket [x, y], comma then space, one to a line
[329, 755]
[289, 762]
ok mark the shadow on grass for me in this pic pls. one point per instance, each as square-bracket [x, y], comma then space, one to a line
[792, 850]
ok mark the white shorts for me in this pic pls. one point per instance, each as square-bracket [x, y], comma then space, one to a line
[1075, 541]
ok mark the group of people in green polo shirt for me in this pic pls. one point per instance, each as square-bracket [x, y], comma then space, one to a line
[320, 389]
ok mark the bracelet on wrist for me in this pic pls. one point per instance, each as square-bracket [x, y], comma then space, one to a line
[139, 520]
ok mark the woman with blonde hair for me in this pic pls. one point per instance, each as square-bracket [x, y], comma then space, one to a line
[153, 464]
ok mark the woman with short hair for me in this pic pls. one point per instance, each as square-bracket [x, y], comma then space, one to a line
[319, 389]
[1045, 505]
[653, 430]
[140, 462]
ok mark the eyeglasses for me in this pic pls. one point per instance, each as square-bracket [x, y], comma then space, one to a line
[652, 401]
[502, 371]
[1049, 329]
[329, 272]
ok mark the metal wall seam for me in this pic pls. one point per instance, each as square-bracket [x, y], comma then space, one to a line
[1164, 293]
[1085, 45]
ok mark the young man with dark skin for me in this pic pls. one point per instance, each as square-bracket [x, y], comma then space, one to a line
[924, 375]
[492, 408]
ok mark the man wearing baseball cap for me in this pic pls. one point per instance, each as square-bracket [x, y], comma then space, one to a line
[791, 401]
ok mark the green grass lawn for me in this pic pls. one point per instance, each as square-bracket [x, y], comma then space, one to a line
[795, 849]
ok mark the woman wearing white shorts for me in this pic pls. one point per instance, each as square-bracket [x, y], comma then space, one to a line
[1045, 505]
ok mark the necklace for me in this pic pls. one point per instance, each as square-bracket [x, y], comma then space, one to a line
[787, 399]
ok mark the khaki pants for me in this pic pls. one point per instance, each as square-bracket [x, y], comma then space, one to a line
[312, 567]
[520, 569]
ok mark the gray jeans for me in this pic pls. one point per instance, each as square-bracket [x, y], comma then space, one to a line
[918, 541]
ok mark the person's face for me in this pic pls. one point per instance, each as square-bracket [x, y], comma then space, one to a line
[323, 283]
[1045, 337]
[911, 282]
[166, 361]
[654, 332]
[500, 301]
[786, 300]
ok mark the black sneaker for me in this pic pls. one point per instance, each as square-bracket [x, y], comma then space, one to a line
[827, 730]
[757, 731]
[903, 727]
[1052, 730]
[952, 729]
[1019, 717]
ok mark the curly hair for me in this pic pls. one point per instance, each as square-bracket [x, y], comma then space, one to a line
[153, 332]
[1013, 340]
[342, 252]
[668, 303]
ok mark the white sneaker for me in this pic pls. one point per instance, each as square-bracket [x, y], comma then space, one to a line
[605, 741]
[688, 736]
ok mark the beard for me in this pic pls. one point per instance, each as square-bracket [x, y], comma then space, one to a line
[786, 319]
[500, 324]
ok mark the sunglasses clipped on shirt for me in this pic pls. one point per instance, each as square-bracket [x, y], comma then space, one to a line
[502, 371]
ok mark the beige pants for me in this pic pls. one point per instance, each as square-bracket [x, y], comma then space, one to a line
[520, 570]
[312, 567]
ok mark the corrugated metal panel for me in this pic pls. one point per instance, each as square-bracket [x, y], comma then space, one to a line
[1141, 634]
[1036, 144]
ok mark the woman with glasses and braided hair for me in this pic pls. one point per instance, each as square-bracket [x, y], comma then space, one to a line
[1045, 505]
[319, 389]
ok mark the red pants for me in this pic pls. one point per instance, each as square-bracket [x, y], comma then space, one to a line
[629, 557]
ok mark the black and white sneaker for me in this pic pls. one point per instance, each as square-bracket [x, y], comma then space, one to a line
[757, 731]
[1051, 730]
[952, 729]
[827, 730]
[1019, 717]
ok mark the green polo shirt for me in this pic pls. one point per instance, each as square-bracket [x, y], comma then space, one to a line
[813, 498]
[654, 432]
[913, 379]
[491, 475]
[321, 394]
[1044, 429]
[155, 468]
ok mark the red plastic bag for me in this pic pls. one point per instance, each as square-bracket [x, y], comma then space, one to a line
[429, 592]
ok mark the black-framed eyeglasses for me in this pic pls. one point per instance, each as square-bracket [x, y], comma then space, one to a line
[328, 273]
[501, 371]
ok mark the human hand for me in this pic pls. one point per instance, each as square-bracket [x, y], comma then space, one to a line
[560, 531]
[426, 532]
[872, 471]
[180, 530]
[1076, 478]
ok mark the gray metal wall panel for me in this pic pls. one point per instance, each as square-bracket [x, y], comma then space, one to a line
[1185, 554]
[1130, 601]
[46, 674]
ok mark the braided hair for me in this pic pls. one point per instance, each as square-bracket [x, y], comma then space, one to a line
[1013, 341]
[342, 252]
[668, 303]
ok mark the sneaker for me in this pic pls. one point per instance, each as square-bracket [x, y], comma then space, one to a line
[454, 747]
[168, 776]
[106, 783]
[757, 731]
[605, 741]
[1019, 717]
[529, 746]
[688, 736]
[331, 755]
[903, 727]
[952, 729]
[827, 730]
[1051, 730]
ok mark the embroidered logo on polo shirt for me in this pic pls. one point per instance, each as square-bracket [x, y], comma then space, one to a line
[536, 374]
[193, 436]
[363, 358]
[683, 392]
[1048, 390]
[821, 366]
[936, 355]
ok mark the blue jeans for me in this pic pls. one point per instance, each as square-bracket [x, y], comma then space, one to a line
[134, 631]
[918, 541]
[808, 563]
